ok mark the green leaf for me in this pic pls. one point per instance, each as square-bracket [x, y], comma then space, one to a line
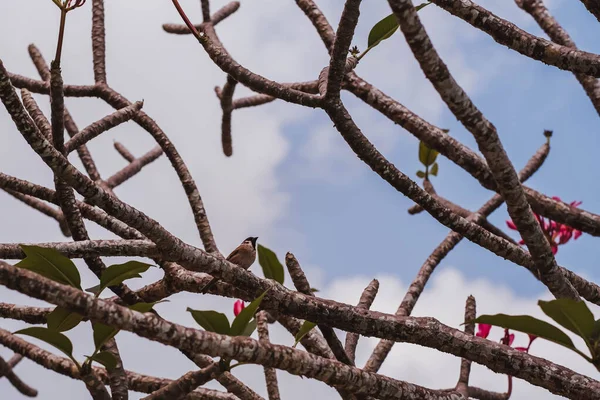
[145, 307]
[306, 327]
[530, 325]
[105, 358]
[596, 331]
[250, 328]
[382, 30]
[54, 338]
[427, 156]
[50, 264]
[116, 274]
[94, 289]
[102, 334]
[434, 169]
[421, 174]
[572, 315]
[386, 28]
[62, 320]
[211, 321]
[272, 268]
[240, 323]
[314, 290]
[422, 5]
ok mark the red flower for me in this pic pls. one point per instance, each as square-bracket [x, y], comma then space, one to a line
[531, 338]
[238, 306]
[523, 349]
[483, 330]
[508, 338]
[556, 233]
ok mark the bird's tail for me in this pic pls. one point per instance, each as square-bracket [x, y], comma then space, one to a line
[210, 284]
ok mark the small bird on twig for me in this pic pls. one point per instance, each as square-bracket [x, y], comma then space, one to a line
[243, 256]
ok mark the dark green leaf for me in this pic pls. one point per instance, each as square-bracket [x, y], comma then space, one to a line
[50, 264]
[382, 30]
[62, 320]
[116, 274]
[386, 28]
[434, 169]
[272, 268]
[596, 331]
[572, 315]
[427, 156]
[306, 327]
[211, 321]
[102, 334]
[530, 325]
[314, 290]
[105, 358]
[249, 328]
[421, 174]
[54, 338]
[145, 307]
[239, 324]
[422, 5]
[94, 289]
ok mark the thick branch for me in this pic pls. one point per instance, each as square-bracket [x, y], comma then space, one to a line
[508, 34]
[542, 16]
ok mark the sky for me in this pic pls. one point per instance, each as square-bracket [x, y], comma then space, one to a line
[294, 182]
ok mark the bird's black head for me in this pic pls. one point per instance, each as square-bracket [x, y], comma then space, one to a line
[252, 240]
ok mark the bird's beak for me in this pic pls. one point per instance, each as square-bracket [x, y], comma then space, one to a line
[254, 239]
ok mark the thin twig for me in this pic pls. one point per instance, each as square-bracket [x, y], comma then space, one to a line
[462, 386]
[22, 387]
[366, 299]
[302, 285]
[262, 327]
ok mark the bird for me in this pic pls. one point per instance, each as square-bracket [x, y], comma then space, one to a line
[243, 256]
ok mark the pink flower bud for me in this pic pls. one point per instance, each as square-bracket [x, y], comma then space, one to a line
[511, 225]
[238, 306]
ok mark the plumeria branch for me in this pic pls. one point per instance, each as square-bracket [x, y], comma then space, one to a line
[489, 144]
[262, 327]
[506, 33]
[425, 331]
[6, 370]
[417, 286]
[552, 28]
[64, 366]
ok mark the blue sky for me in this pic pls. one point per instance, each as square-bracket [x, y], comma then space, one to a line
[361, 224]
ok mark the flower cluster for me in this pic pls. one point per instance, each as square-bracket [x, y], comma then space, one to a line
[238, 306]
[556, 233]
[483, 330]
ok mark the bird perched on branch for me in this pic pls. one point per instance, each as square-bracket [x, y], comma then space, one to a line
[243, 256]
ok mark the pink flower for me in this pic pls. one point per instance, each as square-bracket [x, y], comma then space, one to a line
[508, 338]
[531, 338]
[556, 233]
[238, 306]
[523, 349]
[483, 330]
